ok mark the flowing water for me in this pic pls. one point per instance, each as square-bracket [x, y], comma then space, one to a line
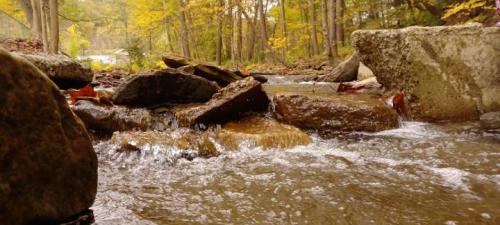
[418, 174]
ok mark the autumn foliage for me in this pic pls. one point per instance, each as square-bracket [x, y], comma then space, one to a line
[87, 91]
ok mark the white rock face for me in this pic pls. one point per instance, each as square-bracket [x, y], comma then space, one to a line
[448, 73]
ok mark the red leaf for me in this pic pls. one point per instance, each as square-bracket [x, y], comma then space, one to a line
[87, 91]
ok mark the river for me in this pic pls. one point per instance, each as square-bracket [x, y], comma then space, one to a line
[420, 173]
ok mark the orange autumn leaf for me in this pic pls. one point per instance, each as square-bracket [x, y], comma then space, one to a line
[87, 91]
[245, 72]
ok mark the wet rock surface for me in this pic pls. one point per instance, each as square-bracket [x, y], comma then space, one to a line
[262, 133]
[166, 86]
[48, 168]
[229, 103]
[448, 73]
[334, 113]
[490, 121]
[64, 71]
[112, 118]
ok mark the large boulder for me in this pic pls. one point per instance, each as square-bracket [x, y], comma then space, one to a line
[237, 98]
[64, 71]
[166, 86]
[112, 118]
[48, 168]
[333, 113]
[448, 73]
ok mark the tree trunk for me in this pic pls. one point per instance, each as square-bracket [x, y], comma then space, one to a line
[28, 12]
[263, 29]
[184, 31]
[218, 50]
[332, 28]
[37, 19]
[229, 36]
[54, 27]
[314, 31]
[326, 34]
[284, 30]
[340, 22]
[239, 33]
[44, 16]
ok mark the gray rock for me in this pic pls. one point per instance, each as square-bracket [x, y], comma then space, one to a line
[64, 71]
[448, 73]
[48, 168]
[112, 118]
[166, 86]
[490, 121]
[345, 72]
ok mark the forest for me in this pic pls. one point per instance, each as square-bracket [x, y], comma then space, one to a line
[234, 33]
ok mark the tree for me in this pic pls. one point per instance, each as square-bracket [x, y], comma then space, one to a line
[314, 31]
[332, 28]
[283, 29]
[54, 27]
[326, 34]
[218, 50]
[184, 31]
[340, 22]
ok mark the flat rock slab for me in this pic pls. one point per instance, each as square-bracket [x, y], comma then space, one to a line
[223, 77]
[166, 86]
[175, 61]
[64, 71]
[338, 112]
[236, 98]
[48, 168]
[112, 118]
[448, 73]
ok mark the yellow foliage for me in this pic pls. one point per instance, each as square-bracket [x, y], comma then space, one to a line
[277, 43]
[466, 8]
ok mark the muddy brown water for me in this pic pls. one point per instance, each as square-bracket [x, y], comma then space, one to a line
[418, 174]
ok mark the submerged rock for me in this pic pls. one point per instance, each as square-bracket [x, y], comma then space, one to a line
[340, 112]
[490, 121]
[237, 98]
[64, 71]
[448, 73]
[261, 132]
[185, 140]
[112, 118]
[166, 86]
[48, 168]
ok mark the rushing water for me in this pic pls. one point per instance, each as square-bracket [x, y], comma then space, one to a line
[418, 174]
